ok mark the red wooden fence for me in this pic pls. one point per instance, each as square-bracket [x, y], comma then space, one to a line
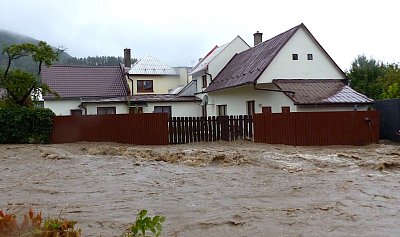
[198, 129]
[140, 129]
[317, 128]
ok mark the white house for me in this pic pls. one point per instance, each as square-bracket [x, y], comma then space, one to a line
[290, 70]
[211, 64]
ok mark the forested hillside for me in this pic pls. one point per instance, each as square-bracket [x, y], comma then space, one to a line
[26, 63]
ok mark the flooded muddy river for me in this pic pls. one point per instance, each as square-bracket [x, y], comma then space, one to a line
[209, 189]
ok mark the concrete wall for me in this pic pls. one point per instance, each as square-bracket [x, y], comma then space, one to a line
[284, 67]
[179, 109]
[62, 107]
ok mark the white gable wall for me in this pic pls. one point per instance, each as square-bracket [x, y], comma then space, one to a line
[284, 67]
[237, 45]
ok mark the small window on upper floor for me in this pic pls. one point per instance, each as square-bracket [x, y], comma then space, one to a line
[295, 56]
[310, 56]
[204, 81]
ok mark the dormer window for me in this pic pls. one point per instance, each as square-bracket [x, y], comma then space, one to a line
[295, 56]
[204, 80]
[310, 56]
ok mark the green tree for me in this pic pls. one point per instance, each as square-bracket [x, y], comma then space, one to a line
[21, 85]
[364, 74]
[390, 82]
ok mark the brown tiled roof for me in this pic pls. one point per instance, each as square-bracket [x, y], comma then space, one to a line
[245, 67]
[85, 81]
[162, 98]
[320, 91]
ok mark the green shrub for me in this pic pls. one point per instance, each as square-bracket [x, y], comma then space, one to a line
[145, 224]
[25, 125]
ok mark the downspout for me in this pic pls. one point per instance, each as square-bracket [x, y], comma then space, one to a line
[131, 82]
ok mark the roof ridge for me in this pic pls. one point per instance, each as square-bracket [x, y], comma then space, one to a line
[82, 66]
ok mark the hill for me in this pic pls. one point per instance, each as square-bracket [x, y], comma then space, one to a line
[9, 38]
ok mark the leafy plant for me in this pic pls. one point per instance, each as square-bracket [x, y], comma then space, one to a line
[32, 226]
[24, 125]
[145, 224]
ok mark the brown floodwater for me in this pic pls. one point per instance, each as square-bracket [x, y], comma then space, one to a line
[209, 189]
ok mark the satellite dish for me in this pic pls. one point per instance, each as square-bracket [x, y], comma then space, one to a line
[204, 101]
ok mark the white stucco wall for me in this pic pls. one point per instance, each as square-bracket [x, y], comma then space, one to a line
[284, 67]
[120, 108]
[237, 45]
[236, 99]
[62, 107]
[179, 109]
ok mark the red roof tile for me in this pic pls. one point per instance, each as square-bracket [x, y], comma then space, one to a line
[245, 67]
[320, 91]
[85, 81]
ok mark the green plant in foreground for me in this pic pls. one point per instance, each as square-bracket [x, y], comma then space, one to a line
[145, 224]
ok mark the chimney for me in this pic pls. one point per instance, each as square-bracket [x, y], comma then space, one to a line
[257, 38]
[127, 58]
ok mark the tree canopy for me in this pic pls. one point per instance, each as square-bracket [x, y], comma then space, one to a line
[374, 78]
[21, 85]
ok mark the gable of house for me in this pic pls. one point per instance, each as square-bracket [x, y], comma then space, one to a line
[312, 61]
[215, 60]
[253, 65]
[151, 76]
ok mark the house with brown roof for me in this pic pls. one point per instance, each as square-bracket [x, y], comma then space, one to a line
[290, 71]
[158, 87]
[86, 89]
[148, 86]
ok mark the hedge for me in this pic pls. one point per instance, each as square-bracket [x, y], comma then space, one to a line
[25, 125]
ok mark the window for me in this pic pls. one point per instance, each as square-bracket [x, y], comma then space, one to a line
[295, 56]
[204, 80]
[106, 110]
[76, 112]
[250, 107]
[285, 109]
[163, 109]
[221, 110]
[136, 110]
[309, 56]
[144, 86]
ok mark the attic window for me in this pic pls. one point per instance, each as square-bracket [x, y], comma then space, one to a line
[309, 56]
[295, 56]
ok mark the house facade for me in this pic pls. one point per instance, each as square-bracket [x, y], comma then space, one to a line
[156, 87]
[290, 71]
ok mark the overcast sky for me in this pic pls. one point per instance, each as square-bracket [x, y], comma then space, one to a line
[178, 32]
